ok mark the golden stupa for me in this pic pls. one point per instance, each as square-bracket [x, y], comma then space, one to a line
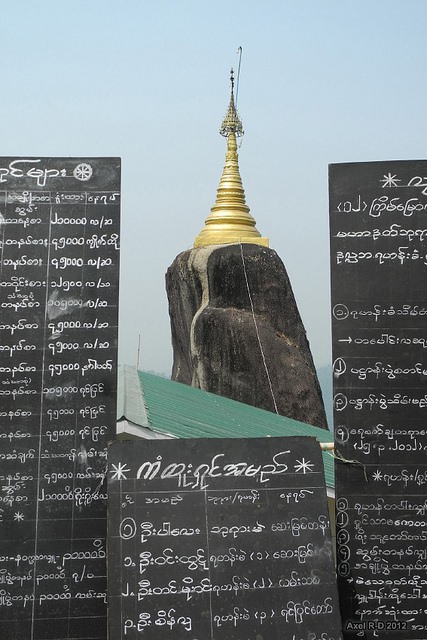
[230, 221]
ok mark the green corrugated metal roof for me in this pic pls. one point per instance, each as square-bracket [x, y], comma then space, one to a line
[185, 412]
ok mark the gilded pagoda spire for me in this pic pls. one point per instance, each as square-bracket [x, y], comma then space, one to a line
[230, 221]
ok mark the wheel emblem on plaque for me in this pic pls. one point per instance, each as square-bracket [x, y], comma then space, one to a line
[83, 171]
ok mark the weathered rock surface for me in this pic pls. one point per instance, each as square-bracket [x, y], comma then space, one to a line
[237, 332]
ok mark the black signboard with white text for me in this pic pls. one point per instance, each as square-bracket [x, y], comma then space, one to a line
[217, 538]
[378, 218]
[59, 239]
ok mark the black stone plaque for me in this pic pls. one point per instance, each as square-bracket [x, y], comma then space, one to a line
[378, 218]
[59, 223]
[218, 538]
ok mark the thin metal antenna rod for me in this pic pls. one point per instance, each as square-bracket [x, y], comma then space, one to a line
[239, 51]
[138, 351]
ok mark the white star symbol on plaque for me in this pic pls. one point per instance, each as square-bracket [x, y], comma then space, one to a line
[390, 181]
[18, 516]
[119, 471]
[377, 475]
[303, 466]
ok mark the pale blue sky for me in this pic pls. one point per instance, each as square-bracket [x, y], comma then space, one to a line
[321, 81]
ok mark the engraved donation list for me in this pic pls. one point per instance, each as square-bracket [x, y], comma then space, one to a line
[378, 214]
[59, 223]
[220, 538]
